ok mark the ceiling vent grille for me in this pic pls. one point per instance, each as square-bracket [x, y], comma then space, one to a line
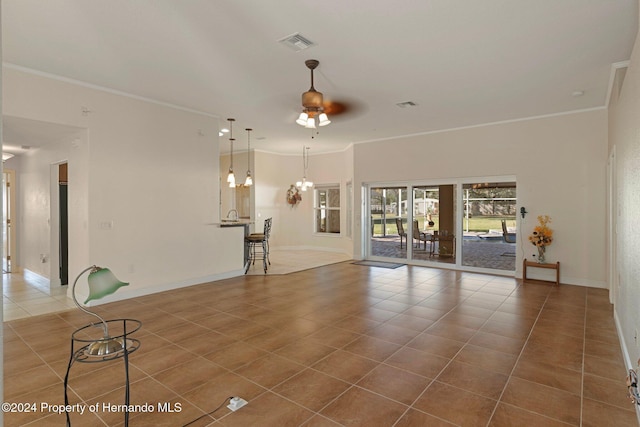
[297, 42]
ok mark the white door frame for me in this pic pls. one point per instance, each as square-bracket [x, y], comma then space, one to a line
[612, 226]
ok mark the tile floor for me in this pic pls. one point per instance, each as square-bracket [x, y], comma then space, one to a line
[341, 345]
[288, 261]
[28, 294]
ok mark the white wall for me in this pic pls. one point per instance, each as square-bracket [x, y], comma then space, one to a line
[293, 225]
[37, 213]
[559, 163]
[156, 178]
[625, 136]
[152, 172]
[33, 210]
[227, 194]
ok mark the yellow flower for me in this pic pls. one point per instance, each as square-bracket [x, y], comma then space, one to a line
[542, 235]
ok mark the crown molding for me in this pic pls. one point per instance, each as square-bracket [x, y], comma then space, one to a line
[11, 66]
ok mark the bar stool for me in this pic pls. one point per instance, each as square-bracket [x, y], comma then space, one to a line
[262, 239]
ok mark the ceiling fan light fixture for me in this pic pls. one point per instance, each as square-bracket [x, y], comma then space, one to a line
[323, 119]
[302, 119]
[312, 99]
[311, 123]
[313, 114]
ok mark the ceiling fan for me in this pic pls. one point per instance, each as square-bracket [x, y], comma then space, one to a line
[315, 109]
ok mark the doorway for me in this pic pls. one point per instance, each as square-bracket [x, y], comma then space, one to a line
[64, 223]
[489, 225]
[434, 228]
[388, 222]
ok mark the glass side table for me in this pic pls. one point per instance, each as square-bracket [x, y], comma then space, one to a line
[84, 338]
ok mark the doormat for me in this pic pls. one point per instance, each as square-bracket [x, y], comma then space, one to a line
[511, 254]
[379, 264]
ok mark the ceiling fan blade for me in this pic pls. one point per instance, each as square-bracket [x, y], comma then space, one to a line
[335, 108]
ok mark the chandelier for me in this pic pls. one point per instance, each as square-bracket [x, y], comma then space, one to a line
[313, 114]
[304, 184]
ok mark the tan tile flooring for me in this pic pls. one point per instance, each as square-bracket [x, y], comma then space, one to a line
[28, 294]
[342, 345]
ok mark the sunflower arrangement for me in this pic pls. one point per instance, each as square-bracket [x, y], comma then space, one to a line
[542, 235]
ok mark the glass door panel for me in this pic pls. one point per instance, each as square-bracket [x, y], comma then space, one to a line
[489, 225]
[388, 232]
[433, 228]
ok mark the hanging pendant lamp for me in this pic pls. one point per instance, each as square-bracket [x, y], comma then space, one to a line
[231, 178]
[248, 182]
[304, 184]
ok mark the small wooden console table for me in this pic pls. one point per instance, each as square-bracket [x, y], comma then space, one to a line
[555, 267]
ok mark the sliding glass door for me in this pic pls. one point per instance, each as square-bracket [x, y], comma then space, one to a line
[489, 225]
[469, 225]
[412, 223]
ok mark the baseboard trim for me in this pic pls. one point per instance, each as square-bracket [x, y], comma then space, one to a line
[122, 295]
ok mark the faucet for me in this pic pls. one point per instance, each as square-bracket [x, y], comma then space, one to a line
[235, 216]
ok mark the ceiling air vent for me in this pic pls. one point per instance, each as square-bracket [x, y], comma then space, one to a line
[406, 104]
[297, 42]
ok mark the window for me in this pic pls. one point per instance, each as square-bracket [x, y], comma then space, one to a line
[327, 209]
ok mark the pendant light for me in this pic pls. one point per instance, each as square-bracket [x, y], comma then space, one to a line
[304, 184]
[248, 181]
[231, 178]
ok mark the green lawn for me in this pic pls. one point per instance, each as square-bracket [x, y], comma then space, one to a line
[478, 223]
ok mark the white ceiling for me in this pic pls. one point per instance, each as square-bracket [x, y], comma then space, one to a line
[463, 62]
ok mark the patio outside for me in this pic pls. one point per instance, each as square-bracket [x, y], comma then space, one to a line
[486, 207]
[488, 251]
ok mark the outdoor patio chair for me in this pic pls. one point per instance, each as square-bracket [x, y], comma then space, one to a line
[401, 231]
[506, 236]
[421, 236]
